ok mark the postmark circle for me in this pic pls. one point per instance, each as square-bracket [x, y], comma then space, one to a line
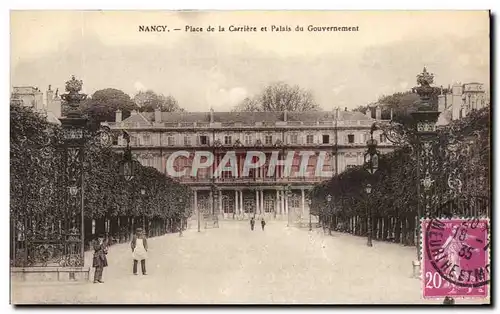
[459, 232]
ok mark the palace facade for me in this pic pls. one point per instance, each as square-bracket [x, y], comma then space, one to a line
[339, 135]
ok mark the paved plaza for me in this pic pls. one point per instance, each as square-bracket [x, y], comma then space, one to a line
[233, 264]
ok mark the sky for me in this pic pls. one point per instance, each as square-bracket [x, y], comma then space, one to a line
[204, 70]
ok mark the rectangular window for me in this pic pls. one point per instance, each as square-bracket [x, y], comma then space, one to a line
[382, 138]
[350, 138]
[269, 205]
[310, 139]
[269, 139]
[187, 141]
[294, 138]
[294, 201]
[248, 140]
[133, 140]
[326, 139]
[204, 140]
[146, 140]
[171, 141]
[227, 140]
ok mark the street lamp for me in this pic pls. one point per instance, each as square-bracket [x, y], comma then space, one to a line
[329, 200]
[368, 189]
[128, 165]
[371, 166]
[426, 118]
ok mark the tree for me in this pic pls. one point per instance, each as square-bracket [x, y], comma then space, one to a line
[280, 97]
[104, 103]
[148, 101]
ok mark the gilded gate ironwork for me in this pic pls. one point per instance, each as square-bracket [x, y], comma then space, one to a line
[54, 236]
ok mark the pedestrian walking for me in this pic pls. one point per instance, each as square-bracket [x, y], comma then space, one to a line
[139, 247]
[99, 261]
[263, 223]
[252, 223]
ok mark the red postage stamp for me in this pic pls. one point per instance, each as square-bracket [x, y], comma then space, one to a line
[456, 260]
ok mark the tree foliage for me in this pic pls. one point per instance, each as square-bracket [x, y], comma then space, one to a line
[280, 96]
[36, 187]
[148, 101]
[104, 103]
[461, 148]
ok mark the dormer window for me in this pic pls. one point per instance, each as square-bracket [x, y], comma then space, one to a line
[227, 140]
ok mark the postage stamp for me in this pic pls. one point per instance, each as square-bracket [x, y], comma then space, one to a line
[456, 259]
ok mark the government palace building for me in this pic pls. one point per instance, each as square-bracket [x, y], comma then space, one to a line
[339, 136]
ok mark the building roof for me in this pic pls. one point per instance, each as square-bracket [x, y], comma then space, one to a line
[246, 117]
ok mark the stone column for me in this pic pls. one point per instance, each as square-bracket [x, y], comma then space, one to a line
[241, 203]
[282, 209]
[303, 202]
[220, 203]
[262, 210]
[236, 202]
[195, 201]
[211, 201]
[286, 203]
[256, 201]
[276, 203]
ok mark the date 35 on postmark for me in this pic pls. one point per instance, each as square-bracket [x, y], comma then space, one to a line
[455, 257]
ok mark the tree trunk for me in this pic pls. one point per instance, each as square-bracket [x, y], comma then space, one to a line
[87, 226]
[385, 233]
[411, 233]
[397, 230]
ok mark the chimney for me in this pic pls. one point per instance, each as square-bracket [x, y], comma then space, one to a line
[157, 115]
[211, 115]
[378, 113]
[441, 102]
[285, 117]
[118, 116]
[369, 112]
[50, 95]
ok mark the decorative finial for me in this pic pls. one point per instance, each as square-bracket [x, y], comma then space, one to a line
[425, 78]
[74, 85]
[73, 97]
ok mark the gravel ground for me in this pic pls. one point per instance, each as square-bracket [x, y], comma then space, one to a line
[232, 264]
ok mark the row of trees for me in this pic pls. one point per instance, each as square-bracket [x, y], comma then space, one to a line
[113, 204]
[393, 199]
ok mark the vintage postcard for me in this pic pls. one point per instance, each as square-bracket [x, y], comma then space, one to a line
[250, 157]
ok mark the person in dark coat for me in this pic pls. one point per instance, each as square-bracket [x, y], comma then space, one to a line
[263, 223]
[139, 247]
[99, 261]
[252, 223]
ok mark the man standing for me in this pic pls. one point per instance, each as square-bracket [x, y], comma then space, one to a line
[263, 223]
[139, 247]
[99, 259]
[252, 223]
